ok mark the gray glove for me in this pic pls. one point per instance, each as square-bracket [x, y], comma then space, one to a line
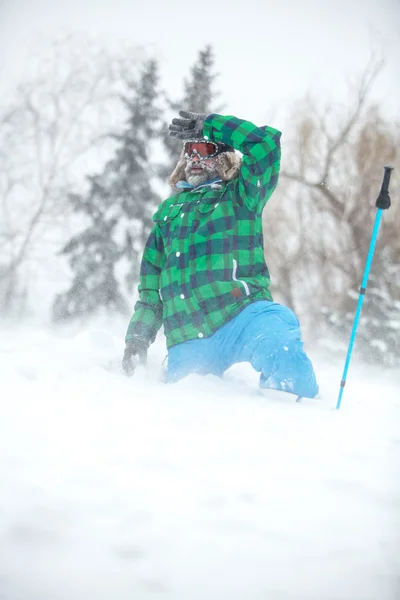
[190, 127]
[135, 347]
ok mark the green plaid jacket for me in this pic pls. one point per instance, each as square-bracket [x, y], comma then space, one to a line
[204, 259]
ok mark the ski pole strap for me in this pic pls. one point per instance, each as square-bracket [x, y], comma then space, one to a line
[383, 200]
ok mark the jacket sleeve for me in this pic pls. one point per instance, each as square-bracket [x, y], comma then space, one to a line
[261, 151]
[147, 318]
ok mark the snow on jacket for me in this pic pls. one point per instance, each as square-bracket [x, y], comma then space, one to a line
[204, 259]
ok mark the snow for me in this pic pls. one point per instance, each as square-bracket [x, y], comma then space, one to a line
[118, 488]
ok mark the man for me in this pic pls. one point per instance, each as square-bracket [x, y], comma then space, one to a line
[203, 273]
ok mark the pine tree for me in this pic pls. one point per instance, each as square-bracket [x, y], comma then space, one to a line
[118, 208]
[199, 96]
[378, 332]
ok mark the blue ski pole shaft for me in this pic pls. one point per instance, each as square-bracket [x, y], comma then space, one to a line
[359, 305]
[382, 203]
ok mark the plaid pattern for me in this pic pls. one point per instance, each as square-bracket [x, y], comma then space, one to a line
[204, 259]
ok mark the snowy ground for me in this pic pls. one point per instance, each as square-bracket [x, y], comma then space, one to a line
[126, 489]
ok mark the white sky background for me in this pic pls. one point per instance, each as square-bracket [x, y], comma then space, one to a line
[268, 53]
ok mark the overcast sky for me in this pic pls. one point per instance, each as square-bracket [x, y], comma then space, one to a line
[268, 52]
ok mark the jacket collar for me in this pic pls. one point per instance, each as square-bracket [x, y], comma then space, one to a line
[185, 185]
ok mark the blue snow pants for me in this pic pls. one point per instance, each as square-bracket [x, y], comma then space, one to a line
[265, 334]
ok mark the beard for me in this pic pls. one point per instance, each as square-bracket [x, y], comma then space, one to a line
[199, 173]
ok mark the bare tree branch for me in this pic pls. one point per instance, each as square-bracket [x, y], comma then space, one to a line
[53, 123]
[331, 168]
[370, 74]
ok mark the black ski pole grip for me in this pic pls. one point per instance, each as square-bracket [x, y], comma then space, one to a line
[383, 200]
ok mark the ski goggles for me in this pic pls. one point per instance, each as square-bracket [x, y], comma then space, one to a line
[204, 149]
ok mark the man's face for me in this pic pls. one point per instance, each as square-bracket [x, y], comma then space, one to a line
[200, 171]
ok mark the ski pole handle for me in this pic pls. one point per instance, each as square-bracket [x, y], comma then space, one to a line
[383, 200]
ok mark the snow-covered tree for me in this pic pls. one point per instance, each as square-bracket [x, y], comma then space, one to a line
[117, 206]
[199, 94]
[50, 126]
[378, 333]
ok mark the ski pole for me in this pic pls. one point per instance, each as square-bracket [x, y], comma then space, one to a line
[382, 203]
